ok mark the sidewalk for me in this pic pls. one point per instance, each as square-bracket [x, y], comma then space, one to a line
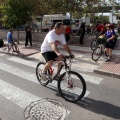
[111, 68]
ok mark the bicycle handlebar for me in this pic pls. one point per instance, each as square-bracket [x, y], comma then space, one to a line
[68, 56]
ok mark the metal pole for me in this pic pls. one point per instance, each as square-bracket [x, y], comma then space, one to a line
[112, 11]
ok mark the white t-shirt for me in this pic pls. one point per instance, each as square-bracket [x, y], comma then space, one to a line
[52, 37]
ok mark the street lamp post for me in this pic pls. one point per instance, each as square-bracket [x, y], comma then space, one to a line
[113, 9]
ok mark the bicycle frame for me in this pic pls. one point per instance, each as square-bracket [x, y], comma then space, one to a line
[67, 68]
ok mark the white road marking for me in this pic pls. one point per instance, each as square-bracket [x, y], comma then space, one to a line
[88, 78]
[26, 75]
[19, 96]
[2, 54]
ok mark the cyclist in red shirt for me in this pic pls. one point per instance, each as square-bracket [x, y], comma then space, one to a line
[100, 29]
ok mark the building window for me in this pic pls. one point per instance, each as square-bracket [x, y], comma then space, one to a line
[117, 17]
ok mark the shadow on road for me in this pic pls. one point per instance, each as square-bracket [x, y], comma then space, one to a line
[100, 107]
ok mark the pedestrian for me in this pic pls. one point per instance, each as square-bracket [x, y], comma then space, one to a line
[82, 33]
[28, 30]
[67, 33]
[110, 43]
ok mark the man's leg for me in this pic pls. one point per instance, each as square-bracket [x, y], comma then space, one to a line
[26, 42]
[81, 38]
[60, 58]
[110, 53]
[44, 75]
[47, 66]
[30, 39]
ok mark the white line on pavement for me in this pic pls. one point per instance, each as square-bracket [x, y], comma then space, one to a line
[26, 75]
[19, 96]
[2, 54]
[88, 78]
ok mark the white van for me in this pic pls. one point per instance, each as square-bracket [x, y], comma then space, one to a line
[49, 20]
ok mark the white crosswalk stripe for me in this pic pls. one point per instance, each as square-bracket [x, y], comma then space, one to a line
[2, 54]
[24, 74]
[23, 98]
[19, 96]
[88, 78]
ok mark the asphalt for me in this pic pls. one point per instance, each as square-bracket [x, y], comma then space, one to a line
[109, 68]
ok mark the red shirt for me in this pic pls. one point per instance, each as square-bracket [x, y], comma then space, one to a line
[100, 28]
[67, 30]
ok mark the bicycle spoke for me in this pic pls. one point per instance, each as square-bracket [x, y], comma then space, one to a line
[74, 89]
[39, 70]
[96, 53]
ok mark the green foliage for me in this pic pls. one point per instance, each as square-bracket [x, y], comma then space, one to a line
[17, 12]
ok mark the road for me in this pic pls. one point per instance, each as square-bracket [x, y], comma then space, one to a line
[19, 87]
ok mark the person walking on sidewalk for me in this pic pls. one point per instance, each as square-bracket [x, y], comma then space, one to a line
[82, 32]
[110, 43]
[28, 30]
[67, 33]
[49, 48]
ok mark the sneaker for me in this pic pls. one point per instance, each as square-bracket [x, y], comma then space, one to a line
[108, 59]
[44, 76]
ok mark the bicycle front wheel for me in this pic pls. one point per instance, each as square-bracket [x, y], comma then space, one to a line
[73, 89]
[39, 69]
[96, 53]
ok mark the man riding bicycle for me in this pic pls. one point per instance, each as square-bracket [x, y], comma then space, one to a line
[49, 48]
[10, 41]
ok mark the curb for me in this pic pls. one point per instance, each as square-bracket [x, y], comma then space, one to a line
[109, 74]
[21, 54]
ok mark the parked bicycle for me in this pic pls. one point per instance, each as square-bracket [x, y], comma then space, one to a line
[71, 85]
[9, 47]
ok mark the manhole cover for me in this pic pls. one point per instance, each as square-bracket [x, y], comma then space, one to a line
[45, 109]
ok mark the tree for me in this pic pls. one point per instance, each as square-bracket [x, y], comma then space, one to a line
[17, 12]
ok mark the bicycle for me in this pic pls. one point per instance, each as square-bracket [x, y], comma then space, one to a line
[99, 50]
[71, 90]
[8, 47]
[94, 44]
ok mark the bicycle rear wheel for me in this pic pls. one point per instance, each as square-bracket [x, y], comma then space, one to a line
[94, 44]
[96, 53]
[39, 69]
[73, 90]
[4, 48]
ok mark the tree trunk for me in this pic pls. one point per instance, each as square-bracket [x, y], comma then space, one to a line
[17, 36]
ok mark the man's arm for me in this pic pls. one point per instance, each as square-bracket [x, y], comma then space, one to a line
[66, 47]
[53, 46]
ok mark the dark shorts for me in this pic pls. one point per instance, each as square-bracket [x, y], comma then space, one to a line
[110, 45]
[51, 55]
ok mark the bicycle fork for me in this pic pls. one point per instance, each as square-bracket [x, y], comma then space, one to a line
[69, 81]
